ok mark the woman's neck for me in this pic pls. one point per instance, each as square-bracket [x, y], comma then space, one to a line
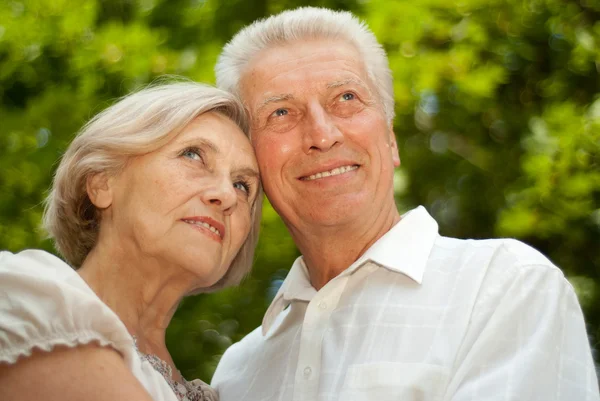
[141, 291]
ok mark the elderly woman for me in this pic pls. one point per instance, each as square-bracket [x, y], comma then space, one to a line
[158, 197]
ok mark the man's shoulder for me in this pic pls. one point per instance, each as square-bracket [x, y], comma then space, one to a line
[506, 250]
[484, 263]
[242, 351]
[506, 264]
[252, 339]
[493, 272]
[237, 357]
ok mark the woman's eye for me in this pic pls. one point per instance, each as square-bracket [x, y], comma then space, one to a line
[242, 186]
[193, 154]
[347, 96]
[280, 112]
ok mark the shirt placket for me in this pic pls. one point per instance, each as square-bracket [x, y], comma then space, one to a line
[316, 322]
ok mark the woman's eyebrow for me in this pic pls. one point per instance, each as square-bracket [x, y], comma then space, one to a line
[247, 171]
[203, 143]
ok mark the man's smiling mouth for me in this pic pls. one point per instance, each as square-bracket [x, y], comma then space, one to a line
[329, 173]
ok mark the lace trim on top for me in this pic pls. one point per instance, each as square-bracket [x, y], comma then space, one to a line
[186, 391]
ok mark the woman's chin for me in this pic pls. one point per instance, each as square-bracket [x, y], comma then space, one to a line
[205, 278]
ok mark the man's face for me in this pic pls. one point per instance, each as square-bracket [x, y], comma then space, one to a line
[325, 150]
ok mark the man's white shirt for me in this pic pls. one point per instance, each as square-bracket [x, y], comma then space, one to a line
[419, 317]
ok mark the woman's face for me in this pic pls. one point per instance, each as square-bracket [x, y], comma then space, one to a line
[187, 204]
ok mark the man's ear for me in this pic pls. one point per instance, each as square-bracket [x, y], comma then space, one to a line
[99, 189]
[394, 146]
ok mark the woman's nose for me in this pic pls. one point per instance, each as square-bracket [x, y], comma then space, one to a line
[221, 195]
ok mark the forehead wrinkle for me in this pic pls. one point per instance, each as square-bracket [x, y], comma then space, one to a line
[301, 61]
[265, 69]
[296, 64]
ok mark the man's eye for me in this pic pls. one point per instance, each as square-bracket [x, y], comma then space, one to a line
[347, 96]
[280, 112]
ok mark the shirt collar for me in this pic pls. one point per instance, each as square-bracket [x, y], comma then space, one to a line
[295, 287]
[404, 249]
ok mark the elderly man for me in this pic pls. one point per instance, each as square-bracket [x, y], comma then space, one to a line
[379, 306]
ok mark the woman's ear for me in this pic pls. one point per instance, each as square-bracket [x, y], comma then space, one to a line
[394, 146]
[99, 189]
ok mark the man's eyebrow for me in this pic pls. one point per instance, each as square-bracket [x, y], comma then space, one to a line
[368, 99]
[337, 84]
[274, 99]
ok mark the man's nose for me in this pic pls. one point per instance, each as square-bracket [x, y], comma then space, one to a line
[221, 194]
[321, 132]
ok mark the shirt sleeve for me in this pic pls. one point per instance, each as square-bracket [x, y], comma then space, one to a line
[45, 303]
[526, 340]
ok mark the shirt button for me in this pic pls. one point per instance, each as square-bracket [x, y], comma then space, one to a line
[307, 372]
[323, 305]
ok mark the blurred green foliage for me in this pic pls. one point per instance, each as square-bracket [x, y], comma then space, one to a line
[498, 105]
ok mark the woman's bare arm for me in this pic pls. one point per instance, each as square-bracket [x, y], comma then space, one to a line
[89, 372]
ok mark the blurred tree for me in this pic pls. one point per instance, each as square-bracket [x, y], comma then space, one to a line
[498, 124]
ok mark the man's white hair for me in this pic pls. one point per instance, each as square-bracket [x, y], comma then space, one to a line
[306, 23]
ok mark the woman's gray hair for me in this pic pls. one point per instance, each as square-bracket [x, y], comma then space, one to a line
[307, 23]
[139, 123]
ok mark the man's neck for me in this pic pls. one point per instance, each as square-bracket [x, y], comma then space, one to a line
[329, 251]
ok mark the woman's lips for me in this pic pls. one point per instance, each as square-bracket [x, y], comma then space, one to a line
[207, 223]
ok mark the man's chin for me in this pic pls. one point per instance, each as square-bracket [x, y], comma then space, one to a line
[333, 212]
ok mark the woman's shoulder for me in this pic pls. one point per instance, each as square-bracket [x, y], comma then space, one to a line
[36, 273]
[45, 303]
[34, 262]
